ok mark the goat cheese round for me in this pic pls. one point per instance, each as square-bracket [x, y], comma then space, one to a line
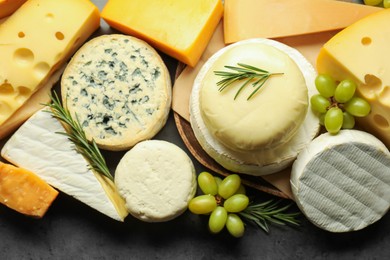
[261, 161]
[157, 180]
[342, 182]
[120, 90]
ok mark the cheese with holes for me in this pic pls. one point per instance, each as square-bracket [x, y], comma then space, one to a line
[120, 89]
[157, 180]
[179, 28]
[37, 146]
[261, 161]
[7, 7]
[342, 182]
[244, 19]
[24, 191]
[32, 51]
[361, 52]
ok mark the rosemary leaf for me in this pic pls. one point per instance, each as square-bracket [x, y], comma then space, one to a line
[76, 135]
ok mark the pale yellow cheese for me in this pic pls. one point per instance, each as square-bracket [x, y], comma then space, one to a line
[32, 50]
[268, 119]
[361, 52]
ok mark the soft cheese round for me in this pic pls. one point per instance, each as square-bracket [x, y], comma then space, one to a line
[342, 182]
[262, 161]
[157, 180]
[269, 118]
[120, 89]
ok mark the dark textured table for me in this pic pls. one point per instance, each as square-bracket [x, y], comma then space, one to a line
[72, 230]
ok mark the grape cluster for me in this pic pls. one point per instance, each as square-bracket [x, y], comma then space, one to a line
[337, 104]
[222, 200]
[384, 3]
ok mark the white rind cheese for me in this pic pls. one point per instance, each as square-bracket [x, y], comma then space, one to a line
[342, 182]
[157, 180]
[259, 162]
[120, 89]
[38, 147]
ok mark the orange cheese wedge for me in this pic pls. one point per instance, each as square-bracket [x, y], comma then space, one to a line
[24, 191]
[244, 19]
[7, 7]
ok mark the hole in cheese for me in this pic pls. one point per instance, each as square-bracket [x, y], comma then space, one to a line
[381, 121]
[24, 91]
[60, 36]
[372, 85]
[6, 88]
[49, 17]
[23, 56]
[21, 35]
[366, 41]
[41, 69]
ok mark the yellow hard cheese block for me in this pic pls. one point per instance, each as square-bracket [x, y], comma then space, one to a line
[362, 52]
[35, 41]
[244, 19]
[7, 7]
[179, 28]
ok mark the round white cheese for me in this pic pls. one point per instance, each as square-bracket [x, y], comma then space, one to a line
[157, 180]
[120, 90]
[270, 117]
[262, 161]
[342, 182]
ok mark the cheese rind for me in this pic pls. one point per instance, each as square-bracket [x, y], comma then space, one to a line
[7, 7]
[342, 182]
[181, 29]
[38, 147]
[361, 53]
[157, 180]
[120, 89]
[26, 64]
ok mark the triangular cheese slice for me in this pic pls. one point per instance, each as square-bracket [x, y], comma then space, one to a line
[244, 19]
[38, 147]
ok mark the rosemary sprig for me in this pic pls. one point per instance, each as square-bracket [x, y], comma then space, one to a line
[263, 214]
[76, 135]
[243, 72]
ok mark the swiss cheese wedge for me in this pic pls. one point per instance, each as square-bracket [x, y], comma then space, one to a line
[244, 19]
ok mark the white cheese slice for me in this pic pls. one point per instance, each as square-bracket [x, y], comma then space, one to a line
[264, 161]
[38, 147]
[157, 180]
[342, 182]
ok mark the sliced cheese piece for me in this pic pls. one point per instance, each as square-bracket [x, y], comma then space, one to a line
[179, 28]
[120, 89]
[7, 7]
[342, 182]
[361, 52]
[260, 162]
[26, 63]
[157, 180]
[245, 19]
[24, 191]
[269, 118]
[38, 147]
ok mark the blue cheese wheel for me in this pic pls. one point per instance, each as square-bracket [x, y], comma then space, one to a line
[342, 182]
[157, 180]
[120, 90]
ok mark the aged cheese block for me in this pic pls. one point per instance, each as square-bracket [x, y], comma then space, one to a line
[361, 52]
[262, 161]
[37, 147]
[120, 89]
[342, 182]
[157, 180]
[245, 19]
[7, 7]
[179, 28]
[32, 51]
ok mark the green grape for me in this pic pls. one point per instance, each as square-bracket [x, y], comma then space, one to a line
[203, 204]
[345, 91]
[348, 121]
[333, 120]
[241, 190]
[217, 180]
[234, 225]
[322, 119]
[325, 85]
[357, 107]
[217, 219]
[207, 183]
[372, 2]
[236, 203]
[229, 186]
[386, 3]
[319, 103]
